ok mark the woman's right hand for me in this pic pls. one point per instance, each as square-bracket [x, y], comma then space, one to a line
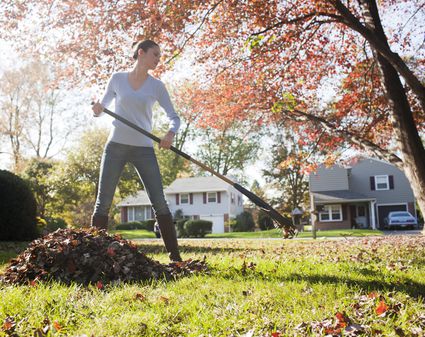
[97, 109]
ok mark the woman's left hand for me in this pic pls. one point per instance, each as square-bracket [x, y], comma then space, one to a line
[167, 140]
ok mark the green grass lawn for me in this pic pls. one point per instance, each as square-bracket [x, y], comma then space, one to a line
[369, 286]
[277, 233]
[273, 233]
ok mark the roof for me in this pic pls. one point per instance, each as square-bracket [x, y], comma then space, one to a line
[339, 196]
[140, 198]
[197, 184]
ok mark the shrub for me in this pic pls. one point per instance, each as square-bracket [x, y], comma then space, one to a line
[197, 228]
[129, 225]
[53, 224]
[244, 222]
[181, 232]
[265, 222]
[18, 209]
[178, 214]
[148, 224]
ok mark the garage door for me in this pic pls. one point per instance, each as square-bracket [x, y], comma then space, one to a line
[385, 209]
[217, 221]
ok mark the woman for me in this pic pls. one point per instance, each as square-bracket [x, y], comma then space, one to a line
[135, 92]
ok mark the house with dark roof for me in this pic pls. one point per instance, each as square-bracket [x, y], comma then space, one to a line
[359, 195]
[206, 198]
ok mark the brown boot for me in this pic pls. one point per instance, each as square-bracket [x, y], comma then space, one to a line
[100, 221]
[169, 236]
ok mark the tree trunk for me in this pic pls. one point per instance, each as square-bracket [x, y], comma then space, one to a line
[407, 137]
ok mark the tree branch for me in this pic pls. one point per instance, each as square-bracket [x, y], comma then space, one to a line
[382, 48]
[191, 36]
[348, 136]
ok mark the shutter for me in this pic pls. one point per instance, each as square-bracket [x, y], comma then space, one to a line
[191, 198]
[205, 197]
[344, 212]
[372, 183]
[218, 197]
[124, 215]
[391, 181]
[177, 199]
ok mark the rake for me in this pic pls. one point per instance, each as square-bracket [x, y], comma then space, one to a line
[279, 221]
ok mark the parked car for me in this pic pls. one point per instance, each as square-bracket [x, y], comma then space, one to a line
[400, 219]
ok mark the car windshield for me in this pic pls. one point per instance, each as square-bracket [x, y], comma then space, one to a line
[400, 214]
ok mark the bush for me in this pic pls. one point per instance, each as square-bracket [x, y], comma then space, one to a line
[129, 225]
[181, 232]
[265, 222]
[148, 224]
[18, 209]
[197, 228]
[244, 222]
[53, 224]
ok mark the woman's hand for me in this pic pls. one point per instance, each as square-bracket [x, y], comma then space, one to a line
[97, 109]
[167, 140]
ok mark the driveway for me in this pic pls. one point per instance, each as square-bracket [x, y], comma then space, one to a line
[403, 232]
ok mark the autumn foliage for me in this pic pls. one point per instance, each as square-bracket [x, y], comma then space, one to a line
[340, 73]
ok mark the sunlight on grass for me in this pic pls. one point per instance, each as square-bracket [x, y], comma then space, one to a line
[264, 286]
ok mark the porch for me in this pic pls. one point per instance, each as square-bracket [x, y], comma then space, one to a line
[342, 210]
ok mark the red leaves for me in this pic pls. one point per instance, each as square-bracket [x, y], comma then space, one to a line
[99, 285]
[381, 308]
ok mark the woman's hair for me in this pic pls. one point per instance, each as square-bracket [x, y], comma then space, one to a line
[145, 45]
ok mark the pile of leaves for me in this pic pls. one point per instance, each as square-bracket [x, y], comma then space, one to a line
[89, 256]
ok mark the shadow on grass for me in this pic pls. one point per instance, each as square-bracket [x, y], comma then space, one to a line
[378, 284]
[187, 249]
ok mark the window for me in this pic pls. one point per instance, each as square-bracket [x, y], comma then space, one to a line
[239, 200]
[184, 198]
[212, 197]
[381, 183]
[232, 197]
[361, 210]
[331, 213]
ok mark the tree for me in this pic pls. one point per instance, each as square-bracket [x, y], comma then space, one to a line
[229, 148]
[39, 173]
[287, 172]
[271, 61]
[33, 113]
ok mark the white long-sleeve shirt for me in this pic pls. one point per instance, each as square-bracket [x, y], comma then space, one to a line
[136, 106]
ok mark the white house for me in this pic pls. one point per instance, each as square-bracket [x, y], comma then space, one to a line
[207, 198]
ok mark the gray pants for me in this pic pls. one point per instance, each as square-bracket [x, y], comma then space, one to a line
[115, 156]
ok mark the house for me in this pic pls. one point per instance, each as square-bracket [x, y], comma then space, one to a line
[360, 195]
[206, 198]
[136, 208]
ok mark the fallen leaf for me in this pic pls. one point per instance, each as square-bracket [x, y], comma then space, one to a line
[140, 297]
[9, 324]
[111, 251]
[164, 299]
[342, 319]
[57, 326]
[373, 294]
[381, 308]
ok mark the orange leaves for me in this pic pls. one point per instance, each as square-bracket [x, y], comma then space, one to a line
[381, 308]
[9, 325]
